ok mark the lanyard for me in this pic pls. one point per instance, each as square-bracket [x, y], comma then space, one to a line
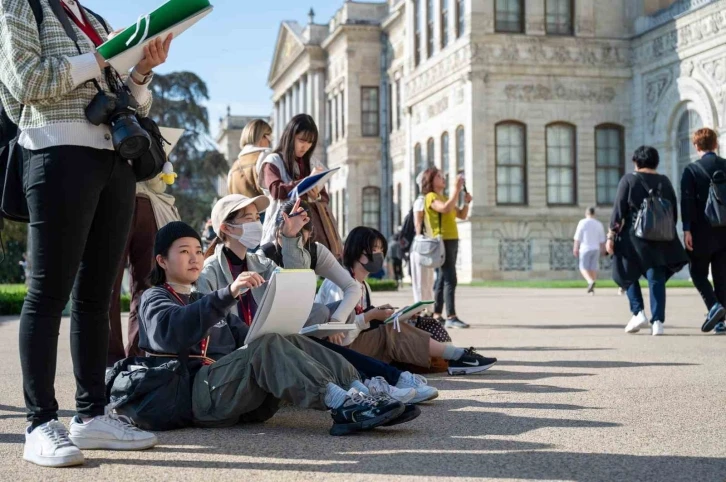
[204, 344]
[244, 299]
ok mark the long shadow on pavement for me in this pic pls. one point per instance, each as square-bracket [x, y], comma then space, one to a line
[589, 364]
[539, 348]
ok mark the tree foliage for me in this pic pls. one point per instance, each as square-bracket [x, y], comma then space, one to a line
[178, 102]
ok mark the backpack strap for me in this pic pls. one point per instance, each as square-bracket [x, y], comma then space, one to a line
[702, 169]
[37, 11]
[270, 250]
[99, 18]
[313, 255]
[643, 182]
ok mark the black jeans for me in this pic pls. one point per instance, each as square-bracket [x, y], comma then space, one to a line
[81, 201]
[367, 367]
[715, 293]
[445, 287]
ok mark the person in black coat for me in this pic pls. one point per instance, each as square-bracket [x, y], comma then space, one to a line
[706, 245]
[634, 257]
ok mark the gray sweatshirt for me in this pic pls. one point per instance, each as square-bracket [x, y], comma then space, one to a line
[166, 326]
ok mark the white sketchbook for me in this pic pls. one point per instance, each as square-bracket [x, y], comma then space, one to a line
[286, 304]
[327, 329]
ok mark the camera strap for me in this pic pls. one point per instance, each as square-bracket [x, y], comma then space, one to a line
[62, 17]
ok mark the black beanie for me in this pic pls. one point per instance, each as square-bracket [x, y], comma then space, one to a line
[170, 233]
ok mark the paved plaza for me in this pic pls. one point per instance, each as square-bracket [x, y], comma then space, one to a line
[572, 398]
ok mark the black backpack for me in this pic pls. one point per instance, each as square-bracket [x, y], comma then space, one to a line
[654, 220]
[408, 232]
[13, 157]
[716, 202]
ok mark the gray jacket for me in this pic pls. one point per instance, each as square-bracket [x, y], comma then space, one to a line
[217, 275]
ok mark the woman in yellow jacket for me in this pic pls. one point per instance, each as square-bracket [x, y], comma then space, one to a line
[440, 214]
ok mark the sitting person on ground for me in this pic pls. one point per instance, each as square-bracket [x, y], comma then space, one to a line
[326, 266]
[237, 383]
[364, 252]
[236, 219]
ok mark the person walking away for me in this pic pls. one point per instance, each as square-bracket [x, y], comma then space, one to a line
[282, 170]
[80, 186]
[706, 244]
[422, 277]
[153, 210]
[440, 218]
[395, 259]
[635, 257]
[589, 246]
[256, 140]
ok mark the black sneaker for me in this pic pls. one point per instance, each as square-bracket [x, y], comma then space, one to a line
[440, 320]
[591, 288]
[362, 412]
[470, 362]
[716, 315]
[410, 412]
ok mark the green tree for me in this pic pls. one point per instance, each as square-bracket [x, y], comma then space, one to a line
[14, 240]
[178, 102]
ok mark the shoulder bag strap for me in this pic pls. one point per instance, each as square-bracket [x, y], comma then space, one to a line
[702, 169]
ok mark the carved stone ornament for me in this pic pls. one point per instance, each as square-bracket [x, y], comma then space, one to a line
[530, 51]
[540, 92]
[655, 87]
[699, 30]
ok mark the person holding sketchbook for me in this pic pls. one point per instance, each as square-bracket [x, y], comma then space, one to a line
[78, 185]
[326, 266]
[235, 214]
[280, 172]
[237, 383]
[365, 250]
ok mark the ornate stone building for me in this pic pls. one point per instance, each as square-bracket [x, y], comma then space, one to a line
[538, 102]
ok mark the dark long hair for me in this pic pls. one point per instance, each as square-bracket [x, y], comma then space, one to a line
[286, 207]
[361, 241]
[300, 124]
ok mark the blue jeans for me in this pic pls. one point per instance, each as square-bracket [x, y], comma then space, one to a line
[657, 285]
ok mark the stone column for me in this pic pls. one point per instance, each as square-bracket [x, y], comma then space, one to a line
[310, 89]
[289, 106]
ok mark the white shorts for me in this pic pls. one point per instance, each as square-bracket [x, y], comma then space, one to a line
[589, 260]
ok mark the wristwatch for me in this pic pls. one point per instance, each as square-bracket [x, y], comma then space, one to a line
[141, 79]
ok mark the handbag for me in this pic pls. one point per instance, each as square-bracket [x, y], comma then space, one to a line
[154, 392]
[13, 175]
[431, 250]
[654, 220]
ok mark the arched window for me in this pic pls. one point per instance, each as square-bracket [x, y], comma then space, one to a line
[689, 123]
[609, 159]
[429, 28]
[417, 32]
[460, 156]
[559, 15]
[445, 165]
[419, 167]
[372, 207]
[399, 204]
[444, 22]
[460, 20]
[511, 142]
[509, 16]
[561, 181]
[430, 152]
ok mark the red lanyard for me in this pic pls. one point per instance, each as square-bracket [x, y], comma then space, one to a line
[85, 26]
[244, 299]
[204, 344]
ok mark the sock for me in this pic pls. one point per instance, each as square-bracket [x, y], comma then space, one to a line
[452, 353]
[334, 396]
[360, 387]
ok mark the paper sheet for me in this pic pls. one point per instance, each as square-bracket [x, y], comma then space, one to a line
[286, 304]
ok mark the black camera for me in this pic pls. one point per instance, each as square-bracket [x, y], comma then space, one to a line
[130, 140]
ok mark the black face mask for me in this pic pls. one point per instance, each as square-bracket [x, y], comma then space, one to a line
[374, 265]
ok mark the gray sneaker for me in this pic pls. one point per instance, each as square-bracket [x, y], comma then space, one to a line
[455, 322]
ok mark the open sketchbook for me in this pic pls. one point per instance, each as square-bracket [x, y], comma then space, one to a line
[310, 182]
[286, 304]
[408, 312]
[327, 329]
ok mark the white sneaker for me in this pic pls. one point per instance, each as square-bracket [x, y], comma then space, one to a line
[657, 328]
[110, 432]
[48, 445]
[637, 323]
[424, 392]
[378, 385]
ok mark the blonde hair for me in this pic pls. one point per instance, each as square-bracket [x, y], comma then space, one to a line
[254, 132]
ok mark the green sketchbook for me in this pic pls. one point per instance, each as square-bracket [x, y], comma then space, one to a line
[408, 312]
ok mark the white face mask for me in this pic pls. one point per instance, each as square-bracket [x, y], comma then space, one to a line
[251, 234]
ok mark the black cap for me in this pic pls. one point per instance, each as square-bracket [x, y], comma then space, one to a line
[170, 233]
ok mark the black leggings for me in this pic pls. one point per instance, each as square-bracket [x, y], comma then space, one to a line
[367, 367]
[445, 287]
[81, 201]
